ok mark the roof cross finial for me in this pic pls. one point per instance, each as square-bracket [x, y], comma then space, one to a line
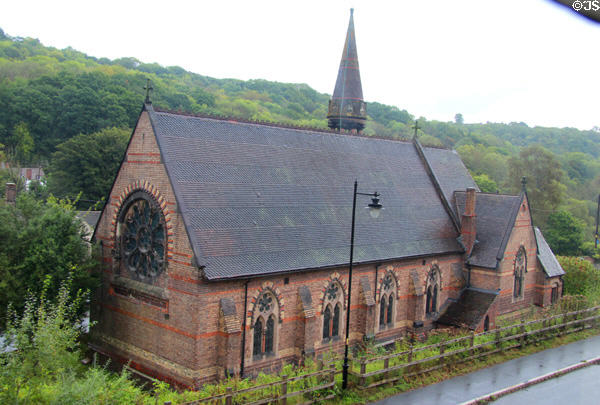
[416, 127]
[524, 184]
[148, 89]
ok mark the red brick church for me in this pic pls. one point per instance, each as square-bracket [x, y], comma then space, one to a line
[225, 243]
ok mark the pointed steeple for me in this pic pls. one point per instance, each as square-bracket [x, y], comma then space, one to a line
[347, 110]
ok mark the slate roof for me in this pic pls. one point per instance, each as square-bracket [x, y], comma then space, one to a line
[496, 214]
[450, 171]
[551, 266]
[260, 199]
[469, 310]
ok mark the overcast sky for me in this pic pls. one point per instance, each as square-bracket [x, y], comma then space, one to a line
[499, 61]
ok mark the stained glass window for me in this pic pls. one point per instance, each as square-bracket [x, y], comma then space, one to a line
[335, 329]
[326, 322]
[270, 334]
[332, 291]
[434, 299]
[428, 302]
[520, 268]
[258, 328]
[390, 310]
[382, 312]
[143, 238]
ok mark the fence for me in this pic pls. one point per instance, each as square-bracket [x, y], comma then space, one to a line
[369, 372]
[389, 368]
[295, 388]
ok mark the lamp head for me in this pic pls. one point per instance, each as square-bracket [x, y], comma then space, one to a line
[375, 207]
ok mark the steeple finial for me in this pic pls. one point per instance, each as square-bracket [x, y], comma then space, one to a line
[416, 127]
[148, 89]
[347, 109]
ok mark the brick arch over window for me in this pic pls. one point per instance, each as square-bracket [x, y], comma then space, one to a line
[333, 278]
[387, 298]
[267, 287]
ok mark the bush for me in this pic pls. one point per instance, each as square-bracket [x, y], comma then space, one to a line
[581, 277]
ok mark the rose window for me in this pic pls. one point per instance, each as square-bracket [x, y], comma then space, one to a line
[332, 291]
[265, 303]
[387, 282]
[143, 239]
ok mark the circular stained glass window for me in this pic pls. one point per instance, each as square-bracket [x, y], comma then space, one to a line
[143, 238]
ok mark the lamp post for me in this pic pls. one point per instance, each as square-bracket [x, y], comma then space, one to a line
[374, 210]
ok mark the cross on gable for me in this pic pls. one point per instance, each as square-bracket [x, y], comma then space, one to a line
[148, 89]
[416, 127]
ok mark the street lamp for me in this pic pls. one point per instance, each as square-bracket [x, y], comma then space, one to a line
[374, 210]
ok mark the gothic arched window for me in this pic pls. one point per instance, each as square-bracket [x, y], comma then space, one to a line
[386, 301]
[428, 301]
[519, 272]
[264, 332]
[382, 312]
[270, 334]
[258, 329]
[327, 322]
[143, 237]
[335, 328]
[332, 303]
[390, 309]
[434, 282]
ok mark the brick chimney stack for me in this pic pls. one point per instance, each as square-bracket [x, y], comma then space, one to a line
[468, 228]
[11, 193]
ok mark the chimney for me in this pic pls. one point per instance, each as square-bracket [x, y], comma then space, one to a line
[468, 229]
[11, 193]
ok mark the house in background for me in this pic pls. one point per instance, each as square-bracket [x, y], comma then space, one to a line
[225, 243]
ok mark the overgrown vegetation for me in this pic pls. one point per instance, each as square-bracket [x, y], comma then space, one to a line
[39, 239]
[581, 278]
[43, 364]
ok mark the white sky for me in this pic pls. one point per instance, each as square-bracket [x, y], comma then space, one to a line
[499, 61]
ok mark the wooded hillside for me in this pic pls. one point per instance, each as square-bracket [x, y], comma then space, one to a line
[54, 100]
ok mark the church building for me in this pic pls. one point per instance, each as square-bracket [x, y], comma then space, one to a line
[225, 243]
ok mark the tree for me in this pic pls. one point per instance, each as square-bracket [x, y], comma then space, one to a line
[581, 277]
[40, 240]
[22, 142]
[543, 174]
[458, 118]
[485, 184]
[564, 233]
[87, 164]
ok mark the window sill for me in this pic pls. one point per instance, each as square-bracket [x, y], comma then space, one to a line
[262, 356]
[332, 339]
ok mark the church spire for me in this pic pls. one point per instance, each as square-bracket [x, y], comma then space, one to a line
[347, 110]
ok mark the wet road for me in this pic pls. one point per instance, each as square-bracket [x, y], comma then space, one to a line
[488, 380]
[575, 388]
